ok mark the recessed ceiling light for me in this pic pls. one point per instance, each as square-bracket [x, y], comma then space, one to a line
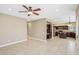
[57, 10]
[9, 9]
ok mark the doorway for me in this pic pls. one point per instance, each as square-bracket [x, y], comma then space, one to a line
[49, 31]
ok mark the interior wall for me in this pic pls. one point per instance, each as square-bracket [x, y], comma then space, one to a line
[77, 22]
[37, 29]
[77, 25]
[12, 29]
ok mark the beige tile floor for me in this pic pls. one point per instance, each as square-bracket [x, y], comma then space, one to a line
[54, 46]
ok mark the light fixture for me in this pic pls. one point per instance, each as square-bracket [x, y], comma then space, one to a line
[69, 24]
[57, 10]
[9, 9]
[29, 12]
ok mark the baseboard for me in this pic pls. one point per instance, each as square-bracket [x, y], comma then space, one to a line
[11, 43]
[37, 39]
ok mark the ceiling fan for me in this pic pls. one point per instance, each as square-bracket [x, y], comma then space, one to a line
[30, 11]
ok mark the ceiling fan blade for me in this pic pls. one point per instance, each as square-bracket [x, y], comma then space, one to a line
[38, 9]
[25, 7]
[35, 13]
[22, 11]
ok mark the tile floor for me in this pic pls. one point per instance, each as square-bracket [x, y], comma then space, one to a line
[54, 46]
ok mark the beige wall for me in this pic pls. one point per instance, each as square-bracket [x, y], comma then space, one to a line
[77, 14]
[12, 29]
[77, 26]
[37, 29]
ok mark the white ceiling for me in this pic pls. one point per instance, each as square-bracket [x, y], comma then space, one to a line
[54, 12]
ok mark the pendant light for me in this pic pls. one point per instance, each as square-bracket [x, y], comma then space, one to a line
[69, 24]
